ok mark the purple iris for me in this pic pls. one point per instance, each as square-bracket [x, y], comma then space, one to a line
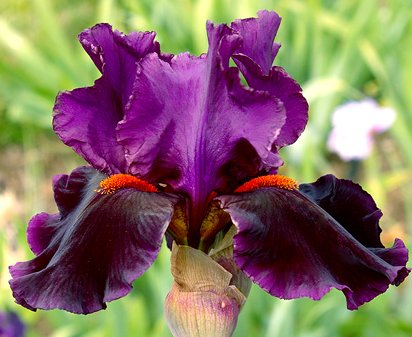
[179, 147]
[11, 325]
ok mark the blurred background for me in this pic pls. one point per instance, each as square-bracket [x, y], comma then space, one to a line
[339, 51]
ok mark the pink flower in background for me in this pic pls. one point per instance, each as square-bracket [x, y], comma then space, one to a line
[353, 126]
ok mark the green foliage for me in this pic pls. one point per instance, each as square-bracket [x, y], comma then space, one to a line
[337, 50]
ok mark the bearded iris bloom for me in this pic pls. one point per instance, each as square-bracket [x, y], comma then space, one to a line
[180, 148]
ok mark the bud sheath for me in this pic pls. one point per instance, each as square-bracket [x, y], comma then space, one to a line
[201, 303]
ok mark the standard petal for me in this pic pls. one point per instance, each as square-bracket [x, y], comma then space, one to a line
[93, 253]
[86, 118]
[292, 248]
[188, 117]
[257, 38]
[281, 85]
[115, 54]
[254, 57]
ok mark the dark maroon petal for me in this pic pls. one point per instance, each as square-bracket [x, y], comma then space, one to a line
[68, 193]
[188, 116]
[278, 83]
[86, 118]
[91, 255]
[292, 248]
[68, 189]
[41, 230]
[349, 205]
[257, 38]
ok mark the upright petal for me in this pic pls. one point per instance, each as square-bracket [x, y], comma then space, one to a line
[188, 117]
[86, 118]
[255, 56]
[280, 84]
[92, 254]
[257, 38]
[292, 248]
[116, 54]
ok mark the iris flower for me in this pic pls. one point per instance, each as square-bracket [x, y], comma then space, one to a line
[11, 325]
[181, 147]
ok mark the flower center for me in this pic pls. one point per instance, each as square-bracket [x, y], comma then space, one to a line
[118, 181]
[276, 180]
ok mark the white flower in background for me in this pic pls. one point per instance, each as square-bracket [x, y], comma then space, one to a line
[353, 126]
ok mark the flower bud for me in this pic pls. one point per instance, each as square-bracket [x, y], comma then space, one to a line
[202, 301]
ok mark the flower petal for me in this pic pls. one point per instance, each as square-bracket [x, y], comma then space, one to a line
[257, 38]
[255, 56]
[68, 194]
[349, 205]
[278, 83]
[86, 118]
[94, 252]
[116, 54]
[187, 118]
[41, 230]
[292, 248]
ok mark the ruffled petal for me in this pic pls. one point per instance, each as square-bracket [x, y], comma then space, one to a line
[279, 84]
[86, 118]
[257, 38]
[68, 194]
[293, 248]
[349, 205]
[91, 255]
[41, 230]
[254, 57]
[68, 189]
[189, 117]
[115, 54]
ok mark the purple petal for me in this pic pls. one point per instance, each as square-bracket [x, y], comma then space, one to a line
[278, 83]
[86, 118]
[254, 58]
[116, 54]
[257, 38]
[188, 117]
[92, 254]
[292, 248]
